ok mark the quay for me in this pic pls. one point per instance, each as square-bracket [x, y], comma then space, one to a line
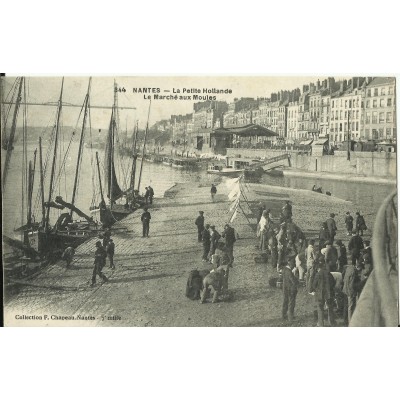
[147, 288]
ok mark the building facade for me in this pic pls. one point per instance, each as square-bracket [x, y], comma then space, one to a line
[379, 122]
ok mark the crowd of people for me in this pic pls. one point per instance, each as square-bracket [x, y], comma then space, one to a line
[321, 265]
[218, 251]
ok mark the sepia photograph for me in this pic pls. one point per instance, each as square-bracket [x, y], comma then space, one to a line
[199, 201]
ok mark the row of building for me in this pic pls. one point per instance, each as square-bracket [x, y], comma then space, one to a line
[359, 109]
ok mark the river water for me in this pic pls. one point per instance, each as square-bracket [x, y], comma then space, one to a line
[366, 196]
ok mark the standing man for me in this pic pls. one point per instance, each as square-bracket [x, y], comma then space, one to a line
[310, 263]
[351, 283]
[213, 192]
[360, 224]
[349, 223]
[331, 224]
[110, 249]
[355, 246]
[206, 242]
[230, 239]
[214, 238]
[147, 194]
[106, 237]
[286, 214]
[331, 256]
[146, 217]
[151, 194]
[200, 225]
[342, 256]
[100, 256]
[289, 287]
[323, 287]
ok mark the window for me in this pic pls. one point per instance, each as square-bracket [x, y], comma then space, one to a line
[357, 114]
[340, 127]
[381, 117]
[367, 133]
[336, 115]
[333, 103]
[374, 117]
[356, 126]
[345, 126]
[376, 92]
[382, 103]
[380, 133]
[375, 104]
[389, 102]
[345, 104]
[336, 127]
[369, 92]
[390, 90]
[354, 103]
[367, 104]
[383, 91]
[352, 126]
[367, 118]
[341, 114]
[374, 134]
[333, 115]
[388, 132]
[362, 104]
[389, 117]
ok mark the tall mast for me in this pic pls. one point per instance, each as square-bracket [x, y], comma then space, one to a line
[144, 146]
[42, 181]
[53, 167]
[78, 163]
[133, 172]
[31, 178]
[12, 134]
[98, 170]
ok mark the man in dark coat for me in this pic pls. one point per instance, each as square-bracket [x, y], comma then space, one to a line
[100, 257]
[145, 218]
[106, 237]
[213, 192]
[206, 242]
[349, 223]
[360, 224]
[200, 225]
[342, 256]
[331, 256]
[289, 287]
[230, 239]
[355, 245]
[331, 225]
[324, 235]
[351, 285]
[110, 249]
[151, 194]
[286, 214]
[147, 194]
[323, 287]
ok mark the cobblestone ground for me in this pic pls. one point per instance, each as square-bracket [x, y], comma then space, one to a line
[147, 288]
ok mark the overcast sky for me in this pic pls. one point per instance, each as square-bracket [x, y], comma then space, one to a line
[47, 89]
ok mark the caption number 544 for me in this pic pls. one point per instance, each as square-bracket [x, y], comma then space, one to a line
[120, 89]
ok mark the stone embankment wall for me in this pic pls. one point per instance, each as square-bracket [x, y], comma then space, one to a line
[361, 163]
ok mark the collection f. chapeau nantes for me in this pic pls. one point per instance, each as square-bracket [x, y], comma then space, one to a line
[196, 94]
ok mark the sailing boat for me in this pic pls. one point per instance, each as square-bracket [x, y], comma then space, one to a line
[43, 238]
[113, 212]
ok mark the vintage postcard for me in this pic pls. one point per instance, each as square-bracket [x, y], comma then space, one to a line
[199, 201]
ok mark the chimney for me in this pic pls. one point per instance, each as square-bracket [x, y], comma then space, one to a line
[318, 85]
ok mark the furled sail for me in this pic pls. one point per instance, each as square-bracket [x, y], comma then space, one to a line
[112, 188]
